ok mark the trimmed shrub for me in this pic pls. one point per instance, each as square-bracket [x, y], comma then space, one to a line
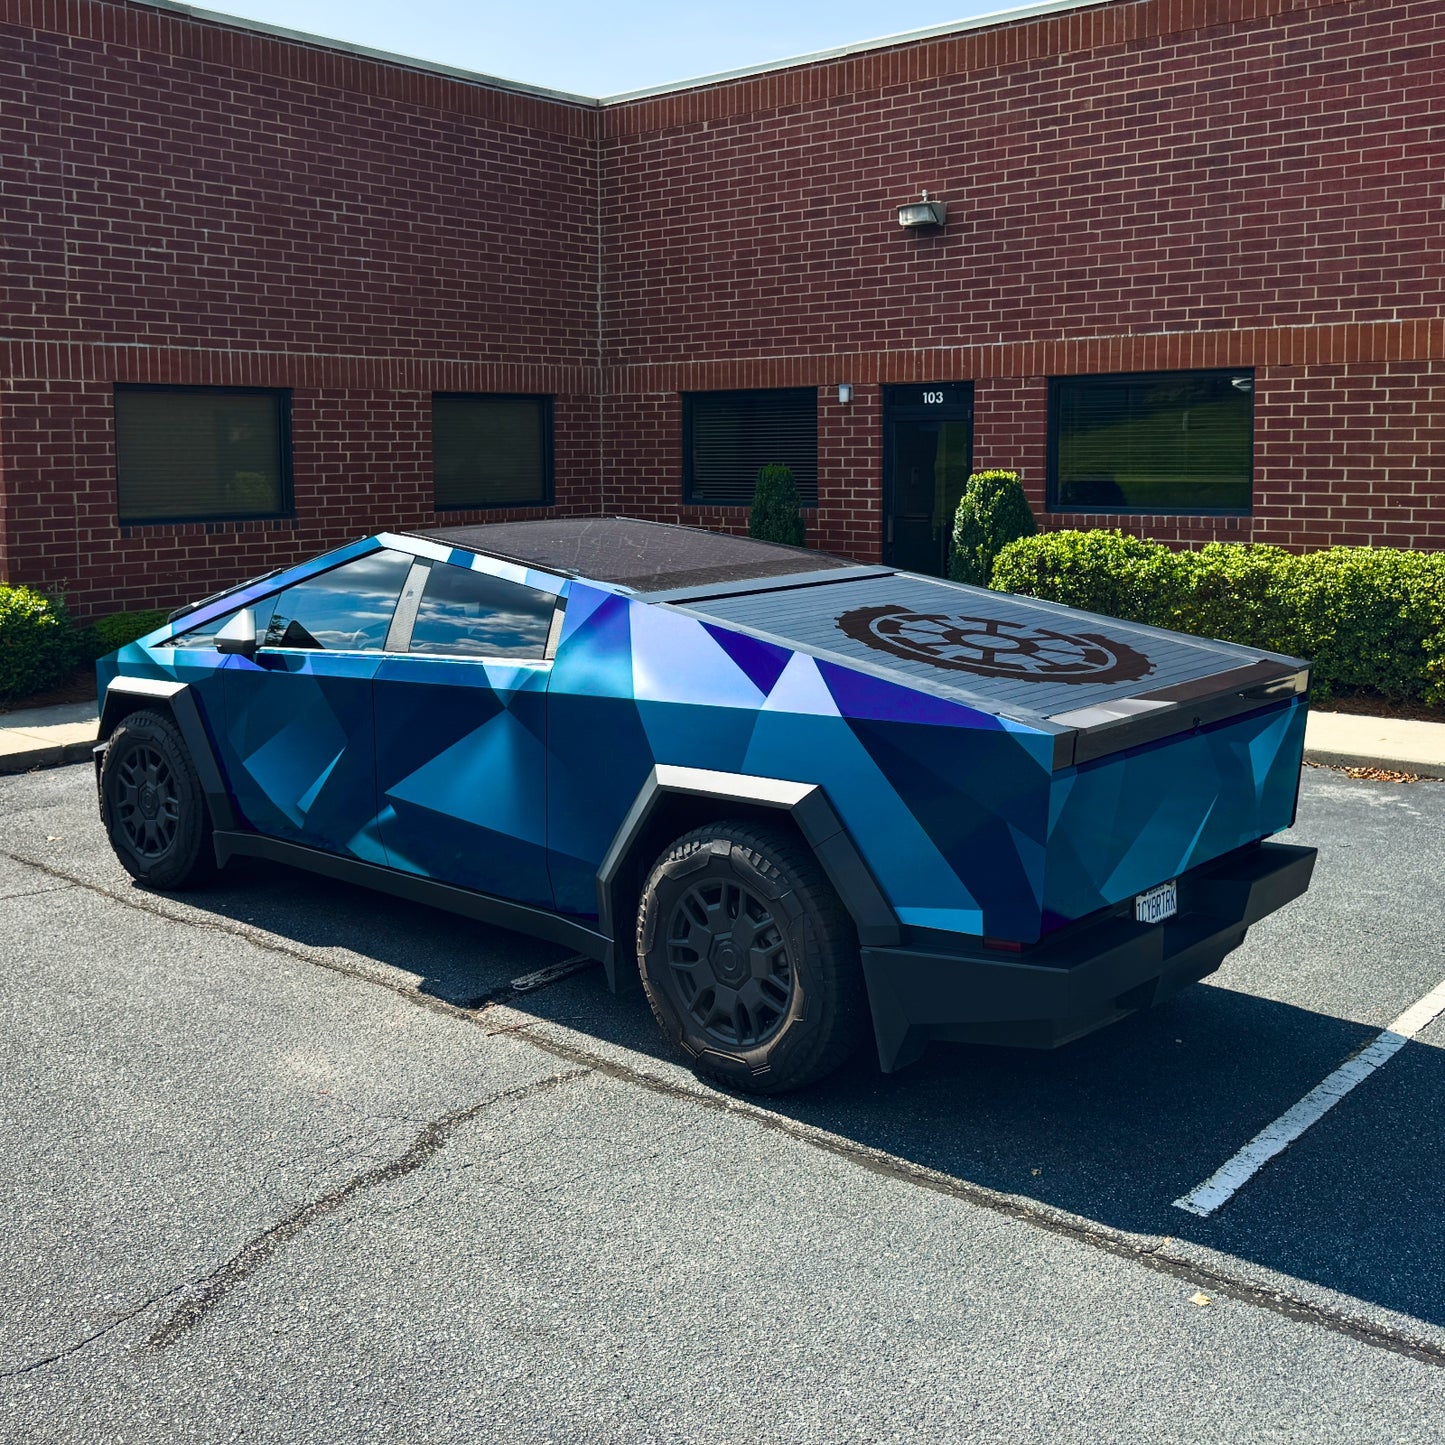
[38, 643]
[1099, 571]
[776, 514]
[105, 634]
[992, 512]
[1365, 617]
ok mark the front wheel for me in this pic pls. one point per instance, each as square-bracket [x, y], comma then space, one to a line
[749, 959]
[152, 804]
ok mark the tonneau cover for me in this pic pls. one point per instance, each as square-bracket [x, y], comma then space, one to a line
[1098, 683]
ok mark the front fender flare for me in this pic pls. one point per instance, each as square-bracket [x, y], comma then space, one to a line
[130, 694]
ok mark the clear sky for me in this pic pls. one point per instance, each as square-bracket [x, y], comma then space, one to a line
[603, 48]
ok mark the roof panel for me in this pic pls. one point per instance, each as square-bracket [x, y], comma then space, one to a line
[645, 556]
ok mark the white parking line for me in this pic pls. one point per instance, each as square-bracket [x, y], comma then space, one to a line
[1225, 1182]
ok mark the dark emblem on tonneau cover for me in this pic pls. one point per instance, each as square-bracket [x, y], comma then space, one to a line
[992, 647]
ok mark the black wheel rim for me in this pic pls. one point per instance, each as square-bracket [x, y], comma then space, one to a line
[730, 962]
[147, 801]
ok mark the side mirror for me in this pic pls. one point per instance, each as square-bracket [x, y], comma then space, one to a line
[238, 636]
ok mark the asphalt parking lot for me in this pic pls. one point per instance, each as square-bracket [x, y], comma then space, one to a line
[288, 1161]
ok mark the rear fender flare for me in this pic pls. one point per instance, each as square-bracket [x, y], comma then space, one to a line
[635, 845]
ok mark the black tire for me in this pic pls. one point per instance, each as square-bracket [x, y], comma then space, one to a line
[789, 1009]
[152, 804]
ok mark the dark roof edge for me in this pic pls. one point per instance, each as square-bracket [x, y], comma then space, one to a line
[565, 97]
[858, 47]
[346, 47]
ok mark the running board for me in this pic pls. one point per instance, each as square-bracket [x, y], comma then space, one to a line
[520, 917]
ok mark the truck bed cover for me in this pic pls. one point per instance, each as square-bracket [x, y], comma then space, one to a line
[1097, 683]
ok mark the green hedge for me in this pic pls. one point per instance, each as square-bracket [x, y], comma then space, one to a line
[1366, 617]
[107, 633]
[38, 643]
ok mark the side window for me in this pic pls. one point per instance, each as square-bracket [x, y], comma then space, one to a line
[469, 614]
[347, 609]
[205, 634]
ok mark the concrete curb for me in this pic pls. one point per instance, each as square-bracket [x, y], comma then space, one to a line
[1350, 740]
[45, 737]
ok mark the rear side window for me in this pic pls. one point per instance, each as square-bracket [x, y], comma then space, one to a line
[469, 614]
[347, 609]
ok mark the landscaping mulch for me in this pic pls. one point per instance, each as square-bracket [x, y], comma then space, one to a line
[78, 687]
[1368, 706]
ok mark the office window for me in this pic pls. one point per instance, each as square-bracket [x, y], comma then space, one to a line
[728, 436]
[187, 454]
[491, 451]
[1170, 442]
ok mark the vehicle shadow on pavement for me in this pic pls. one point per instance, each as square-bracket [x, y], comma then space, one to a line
[1113, 1127]
[447, 957]
[1118, 1125]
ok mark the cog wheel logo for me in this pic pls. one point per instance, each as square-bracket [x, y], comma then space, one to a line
[992, 647]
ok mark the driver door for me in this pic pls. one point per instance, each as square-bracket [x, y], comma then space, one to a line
[299, 746]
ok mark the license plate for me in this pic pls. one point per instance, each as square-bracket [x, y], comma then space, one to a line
[1158, 903]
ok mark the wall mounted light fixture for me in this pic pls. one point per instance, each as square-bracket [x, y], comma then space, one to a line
[845, 392]
[923, 213]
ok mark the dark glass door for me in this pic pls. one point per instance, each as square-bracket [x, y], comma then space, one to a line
[927, 456]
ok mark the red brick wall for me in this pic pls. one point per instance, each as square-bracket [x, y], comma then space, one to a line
[1141, 185]
[1156, 185]
[185, 203]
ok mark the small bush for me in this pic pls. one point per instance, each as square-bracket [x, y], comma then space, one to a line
[38, 643]
[1099, 571]
[107, 633]
[776, 514]
[1365, 617]
[992, 513]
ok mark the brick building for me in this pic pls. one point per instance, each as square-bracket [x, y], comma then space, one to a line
[263, 293]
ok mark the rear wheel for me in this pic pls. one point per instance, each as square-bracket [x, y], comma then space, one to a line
[152, 804]
[749, 958]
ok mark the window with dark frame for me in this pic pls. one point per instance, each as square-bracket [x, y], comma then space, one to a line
[491, 451]
[193, 453]
[1180, 442]
[729, 436]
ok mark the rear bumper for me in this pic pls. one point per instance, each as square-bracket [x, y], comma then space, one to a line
[1085, 977]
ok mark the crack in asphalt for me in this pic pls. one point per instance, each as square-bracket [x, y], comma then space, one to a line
[34, 892]
[158, 907]
[90, 1339]
[204, 1295]
[1151, 1254]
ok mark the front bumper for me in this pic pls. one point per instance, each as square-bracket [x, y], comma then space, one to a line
[1084, 977]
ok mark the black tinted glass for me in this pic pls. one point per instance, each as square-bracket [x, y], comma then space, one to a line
[197, 454]
[1178, 442]
[347, 609]
[731, 435]
[469, 614]
[491, 451]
